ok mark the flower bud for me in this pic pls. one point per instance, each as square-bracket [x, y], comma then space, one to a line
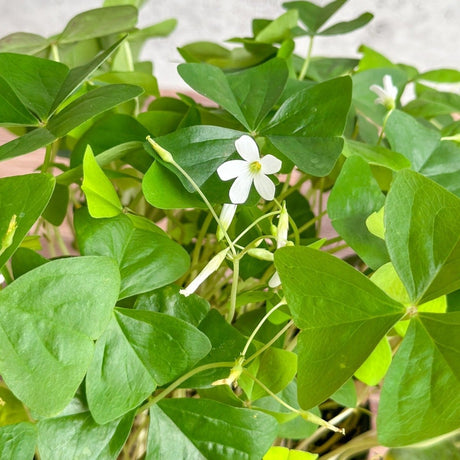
[226, 217]
[164, 154]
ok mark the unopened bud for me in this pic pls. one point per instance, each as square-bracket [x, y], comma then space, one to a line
[164, 154]
[261, 254]
[226, 217]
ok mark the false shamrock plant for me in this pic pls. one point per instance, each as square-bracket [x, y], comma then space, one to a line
[274, 275]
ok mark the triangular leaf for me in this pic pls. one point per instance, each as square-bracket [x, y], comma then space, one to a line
[49, 319]
[100, 195]
[421, 393]
[342, 316]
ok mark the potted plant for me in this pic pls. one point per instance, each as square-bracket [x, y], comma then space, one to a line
[244, 276]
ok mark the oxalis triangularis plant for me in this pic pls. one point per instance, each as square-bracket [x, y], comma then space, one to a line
[200, 305]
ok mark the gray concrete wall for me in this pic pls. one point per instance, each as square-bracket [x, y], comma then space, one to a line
[423, 33]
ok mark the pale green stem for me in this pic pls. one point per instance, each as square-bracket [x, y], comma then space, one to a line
[55, 52]
[208, 204]
[311, 222]
[382, 132]
[306, 62]
[259, 219]
[180, 380]
[261, 323]
[48, 158]
[60, 242]
[270, 343]
[320, 206]
[234, 291]
[199, 240]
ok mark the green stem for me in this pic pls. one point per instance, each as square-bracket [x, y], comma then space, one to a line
[383, 126]
[259, 219]
[261, 322]
[48, 158]
[199, 240]
[208, 204]
[306, 62]
[234, 291]
[268, 344]
[60, 242]
[152, 401]
[320, 206]
[55, 52]
[311, 222]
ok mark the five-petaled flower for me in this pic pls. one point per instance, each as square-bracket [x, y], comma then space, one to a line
[250, 169]
[387, 94]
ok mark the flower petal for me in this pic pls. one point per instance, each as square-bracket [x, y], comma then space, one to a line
[239, 191]
[231, 169]
[264, 186]
[247, 148]
[270, 164]
[378, 90]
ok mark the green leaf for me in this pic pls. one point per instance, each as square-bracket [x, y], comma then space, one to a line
[160, 29]
[12, 111]
[108, 132]
[199, 429]
[99, 23]
[314, 16]
[164, 190]
[147, 260]
[372, 59]
[317, 111]
[35, 81]
[24, 260]
[46, 344]
[23, 42]
[12, 410]
[422, 232]
[337, 335]
[376, 365]
[443, 166]
[348, 26]
[167, 300]
[279, 29]
[100, 195]
[136, 352]
[198, 149]
[421, 394]
[354, 197]
[89, 105]
[248, 95]
[312, 155]
[79, 436]
[78, 75]
[441, 76]
[346, 394]
[408, 137]
[18, 441]
[56, 210]
[283, 453]
[29, 142]
[376, 155]
[24, 197]
[275, 368]
[147, 82]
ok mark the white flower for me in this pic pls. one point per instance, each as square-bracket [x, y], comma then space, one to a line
[387, 94]
[210, 268]
[226, 217]
[251, 168]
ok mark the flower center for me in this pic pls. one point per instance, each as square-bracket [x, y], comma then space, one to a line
[255, 167]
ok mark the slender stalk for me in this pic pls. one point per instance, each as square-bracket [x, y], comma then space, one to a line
[383, 127]
[269, 344]
[48, 158]
[208, 204]
[152, 401]
[55, 52]
[261, 323]
[311, 222]
[259, 219]
[306, 62]
[234, 291]
[320, 206]
[60, 242]
[199, 240]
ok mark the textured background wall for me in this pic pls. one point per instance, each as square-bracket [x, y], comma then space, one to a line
[424, 33]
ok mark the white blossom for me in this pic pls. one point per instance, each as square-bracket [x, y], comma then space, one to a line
[250, 169]
[208, 270]
[387, 94]
[225, 218]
